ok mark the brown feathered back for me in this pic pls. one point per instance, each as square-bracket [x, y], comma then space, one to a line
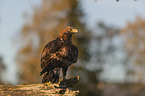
[59, 53]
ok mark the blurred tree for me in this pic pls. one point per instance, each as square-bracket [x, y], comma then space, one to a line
[134, 34]
[2, 69]
[103, 49]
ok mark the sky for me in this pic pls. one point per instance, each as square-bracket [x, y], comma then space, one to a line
[11, 20]
[112, 12]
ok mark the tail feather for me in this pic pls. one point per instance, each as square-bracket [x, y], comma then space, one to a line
[51, 76]
[50, 66]
[46, 69]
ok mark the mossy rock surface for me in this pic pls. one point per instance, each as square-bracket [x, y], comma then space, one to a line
[42, 89]
[35, 90]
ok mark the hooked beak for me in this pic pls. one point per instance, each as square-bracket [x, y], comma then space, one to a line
[74, 30]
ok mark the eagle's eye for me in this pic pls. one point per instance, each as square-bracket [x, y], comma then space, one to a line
[70, 29]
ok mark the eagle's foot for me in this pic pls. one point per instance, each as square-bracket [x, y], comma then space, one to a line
[48, 83]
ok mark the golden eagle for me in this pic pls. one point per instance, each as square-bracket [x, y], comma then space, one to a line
[59, 53]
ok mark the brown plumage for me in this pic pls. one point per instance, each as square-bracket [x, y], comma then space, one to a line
[59, 53]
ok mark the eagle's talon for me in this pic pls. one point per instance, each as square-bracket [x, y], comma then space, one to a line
[47, 83]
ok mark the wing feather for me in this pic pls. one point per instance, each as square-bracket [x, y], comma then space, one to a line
[50, 65]
[57, 55]
[48, 50]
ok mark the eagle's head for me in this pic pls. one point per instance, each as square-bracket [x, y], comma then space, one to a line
[69, 30]
[67, 33]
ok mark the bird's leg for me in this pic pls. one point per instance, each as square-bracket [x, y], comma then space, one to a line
[64, 73]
